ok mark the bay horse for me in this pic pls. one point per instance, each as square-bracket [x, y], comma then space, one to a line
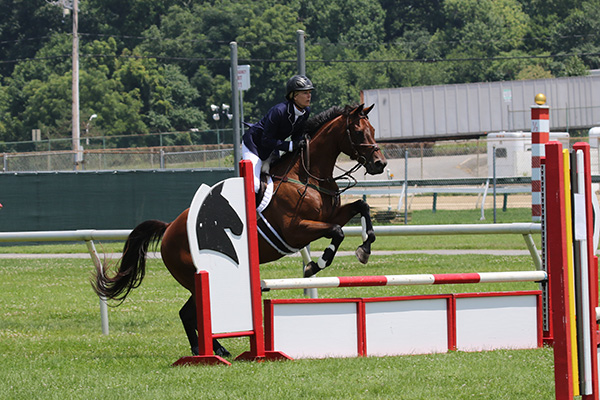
[305, 206]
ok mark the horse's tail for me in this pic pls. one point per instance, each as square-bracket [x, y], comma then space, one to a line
[132, 266]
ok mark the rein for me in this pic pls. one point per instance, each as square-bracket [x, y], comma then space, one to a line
[318, 188]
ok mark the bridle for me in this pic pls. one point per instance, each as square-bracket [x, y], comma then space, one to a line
[360, 159]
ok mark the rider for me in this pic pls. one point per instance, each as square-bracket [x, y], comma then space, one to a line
[269, 136]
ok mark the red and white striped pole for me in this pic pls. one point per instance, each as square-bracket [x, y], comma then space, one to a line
[403, 280]
[540, 135]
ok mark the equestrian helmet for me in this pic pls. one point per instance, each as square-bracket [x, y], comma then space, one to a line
[297, 83]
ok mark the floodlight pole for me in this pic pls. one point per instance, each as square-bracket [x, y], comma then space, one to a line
[301, 54]
[235, 106]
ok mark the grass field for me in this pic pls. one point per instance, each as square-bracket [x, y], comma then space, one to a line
[51, 346]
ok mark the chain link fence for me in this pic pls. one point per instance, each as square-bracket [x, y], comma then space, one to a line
[441, 175]
[121, 159]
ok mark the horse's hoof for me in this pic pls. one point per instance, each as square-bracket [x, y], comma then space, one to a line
[195, 351]
[311, 269]
[362, 255]
[222, 352]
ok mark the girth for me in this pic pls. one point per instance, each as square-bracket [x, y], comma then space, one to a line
[272, 237]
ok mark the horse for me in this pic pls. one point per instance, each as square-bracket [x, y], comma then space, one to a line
[304, 207]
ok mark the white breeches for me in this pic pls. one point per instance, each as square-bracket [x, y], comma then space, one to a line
[256, 165]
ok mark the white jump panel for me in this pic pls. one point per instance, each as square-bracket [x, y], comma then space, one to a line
[498, 322]
[218, 239]
[406, 327]
[316, 330]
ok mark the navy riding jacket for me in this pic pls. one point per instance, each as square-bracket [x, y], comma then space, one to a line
[271, 132]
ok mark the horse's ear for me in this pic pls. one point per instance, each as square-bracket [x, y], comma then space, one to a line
[368, 109]
[358, 110]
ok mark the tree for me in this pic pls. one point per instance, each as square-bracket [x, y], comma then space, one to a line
[4, 114]
[270, 35]
[478, 30]
[578, 34]
[403, 16]
[157, 65]
[355, 22]
[24, 27]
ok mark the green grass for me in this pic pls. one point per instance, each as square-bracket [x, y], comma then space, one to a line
[51, 345]
[428, 217]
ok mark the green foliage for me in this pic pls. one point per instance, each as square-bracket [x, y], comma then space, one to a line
[349, 21]
[157, 65]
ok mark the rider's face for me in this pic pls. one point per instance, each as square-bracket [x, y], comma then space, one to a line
[302, 98]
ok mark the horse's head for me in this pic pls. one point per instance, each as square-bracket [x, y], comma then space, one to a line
[359, 142]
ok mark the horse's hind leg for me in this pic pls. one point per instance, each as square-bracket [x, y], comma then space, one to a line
[188, 318]
[190, 323]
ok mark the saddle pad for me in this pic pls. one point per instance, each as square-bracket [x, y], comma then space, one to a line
[266, 199]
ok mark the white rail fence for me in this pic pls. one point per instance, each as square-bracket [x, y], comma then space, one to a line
[90, 235]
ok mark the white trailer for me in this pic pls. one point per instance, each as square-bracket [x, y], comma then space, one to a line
[513, 152]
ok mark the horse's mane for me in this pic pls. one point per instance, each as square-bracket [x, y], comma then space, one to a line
[314, 123]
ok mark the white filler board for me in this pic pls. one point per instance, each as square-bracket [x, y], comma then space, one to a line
[320, 328]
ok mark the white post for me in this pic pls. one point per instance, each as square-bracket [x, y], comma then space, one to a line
[103, 307]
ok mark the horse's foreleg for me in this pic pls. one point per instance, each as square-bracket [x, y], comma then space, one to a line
[190, 323]
[344, 215]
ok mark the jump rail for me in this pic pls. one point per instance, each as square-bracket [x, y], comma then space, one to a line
[387, 230]
[83, 235]
[404, 280]
[523, 228]
[80, 235]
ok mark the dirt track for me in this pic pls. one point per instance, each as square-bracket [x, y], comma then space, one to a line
[447, 202]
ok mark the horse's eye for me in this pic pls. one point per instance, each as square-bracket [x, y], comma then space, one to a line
[360, 134]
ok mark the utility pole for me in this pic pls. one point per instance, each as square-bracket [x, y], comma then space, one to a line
[68, 5]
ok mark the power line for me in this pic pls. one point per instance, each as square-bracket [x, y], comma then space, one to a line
[330, 61]
[316, 43]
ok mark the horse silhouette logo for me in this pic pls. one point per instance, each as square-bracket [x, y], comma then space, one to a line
[215, 216]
